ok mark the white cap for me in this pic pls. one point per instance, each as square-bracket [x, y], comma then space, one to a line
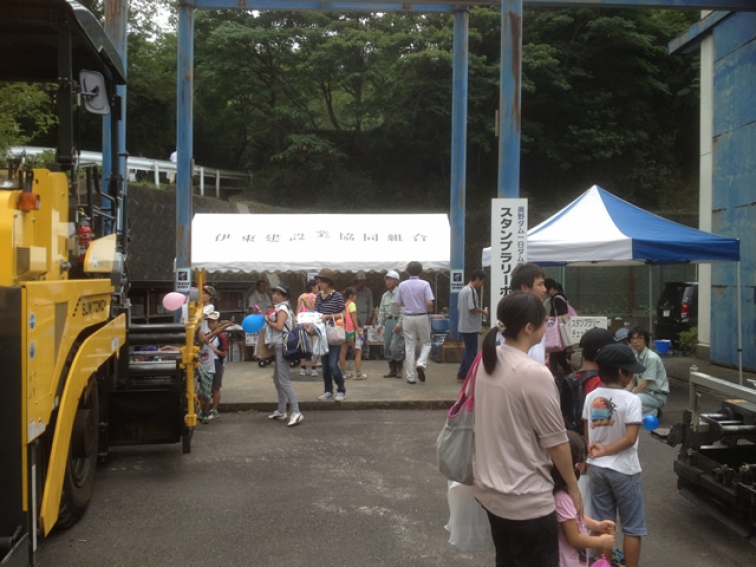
[392, 274]
[360, 275]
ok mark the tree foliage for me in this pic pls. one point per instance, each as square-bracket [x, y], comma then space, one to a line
[25, 113]
[310, 101]
[348, 111]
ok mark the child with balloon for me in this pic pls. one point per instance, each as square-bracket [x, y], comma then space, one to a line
[278, 323]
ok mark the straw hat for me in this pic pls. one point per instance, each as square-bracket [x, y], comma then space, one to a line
[326, 274]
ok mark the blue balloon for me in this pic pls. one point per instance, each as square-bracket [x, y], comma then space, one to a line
[253, 323]
[650, 422]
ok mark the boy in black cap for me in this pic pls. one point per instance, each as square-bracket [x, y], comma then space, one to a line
[612, 421]
[573, 388]
[590, 343]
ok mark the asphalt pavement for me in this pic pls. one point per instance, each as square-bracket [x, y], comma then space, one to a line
[345, 487]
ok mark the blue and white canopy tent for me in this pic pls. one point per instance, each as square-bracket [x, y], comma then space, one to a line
[598, 228]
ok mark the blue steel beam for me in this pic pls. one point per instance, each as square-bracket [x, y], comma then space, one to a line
[449, 5]
[689, 40]
[509, 99]
[458, 154]
[116, 20]
[184, 131]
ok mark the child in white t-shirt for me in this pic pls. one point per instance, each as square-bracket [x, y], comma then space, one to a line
[206, 372]
[573, 532]
[612, 421]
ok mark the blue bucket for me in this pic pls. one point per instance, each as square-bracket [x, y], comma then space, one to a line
[662, 346]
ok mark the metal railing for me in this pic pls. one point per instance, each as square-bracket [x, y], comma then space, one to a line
[153, 167]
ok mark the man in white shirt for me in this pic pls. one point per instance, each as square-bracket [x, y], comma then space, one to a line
[530, 277]
[416, 297]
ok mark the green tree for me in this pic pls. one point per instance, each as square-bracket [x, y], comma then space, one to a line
[26, 112]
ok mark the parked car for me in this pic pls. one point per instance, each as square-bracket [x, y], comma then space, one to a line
[676, 311]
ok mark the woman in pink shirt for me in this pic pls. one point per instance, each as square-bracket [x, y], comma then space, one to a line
[519, 436]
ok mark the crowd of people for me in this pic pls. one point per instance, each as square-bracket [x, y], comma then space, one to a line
[528, 458]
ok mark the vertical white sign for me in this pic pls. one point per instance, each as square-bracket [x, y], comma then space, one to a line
[509, 244]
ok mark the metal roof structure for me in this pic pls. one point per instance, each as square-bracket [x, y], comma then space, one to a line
[30, 41]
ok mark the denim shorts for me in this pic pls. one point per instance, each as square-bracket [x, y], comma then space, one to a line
[613, 491]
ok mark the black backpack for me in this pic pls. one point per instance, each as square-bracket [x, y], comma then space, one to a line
[572, 397]
[296, 344]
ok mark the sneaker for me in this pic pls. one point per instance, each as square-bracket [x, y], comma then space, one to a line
[421, 373]
[213, 414]
[348, 375]
[340, 396]
[618, 558]
[303, 371]
[295, 419]
[361, 376]
[326, 396]
[411, 382]
[278, 415]
[205, 418]
[314, 373]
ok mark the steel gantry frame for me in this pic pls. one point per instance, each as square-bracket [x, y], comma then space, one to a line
[509, 119]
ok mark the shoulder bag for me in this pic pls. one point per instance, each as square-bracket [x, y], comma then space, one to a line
[456, 442]
[553, 335]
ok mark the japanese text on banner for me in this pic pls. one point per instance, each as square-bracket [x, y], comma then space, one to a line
[509, 243]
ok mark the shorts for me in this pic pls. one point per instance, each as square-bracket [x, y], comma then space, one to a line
[218, 376]
[350, 335]
[203, 383]
[613, 491]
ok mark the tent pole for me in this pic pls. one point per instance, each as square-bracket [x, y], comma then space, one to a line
[740, 333]
[650, 301]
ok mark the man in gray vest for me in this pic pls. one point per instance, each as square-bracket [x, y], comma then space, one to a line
[390, 320]
[470, 320]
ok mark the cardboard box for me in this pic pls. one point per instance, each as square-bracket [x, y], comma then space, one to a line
[373, 336]
[448, 351]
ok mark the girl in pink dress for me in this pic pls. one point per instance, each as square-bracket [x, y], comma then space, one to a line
[573, 530]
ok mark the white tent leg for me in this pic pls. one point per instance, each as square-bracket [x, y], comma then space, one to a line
[650, 303]
[740, 333]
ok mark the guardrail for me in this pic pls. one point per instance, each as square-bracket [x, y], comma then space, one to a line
[151, 166]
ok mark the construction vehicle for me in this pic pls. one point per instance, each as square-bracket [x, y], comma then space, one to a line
[74, 381]
[716, 463]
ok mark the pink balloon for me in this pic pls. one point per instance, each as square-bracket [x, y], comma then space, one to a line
[173, 301]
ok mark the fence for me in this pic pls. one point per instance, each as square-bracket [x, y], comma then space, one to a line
[151, 167]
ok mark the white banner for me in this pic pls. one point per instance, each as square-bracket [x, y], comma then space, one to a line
[509, 244]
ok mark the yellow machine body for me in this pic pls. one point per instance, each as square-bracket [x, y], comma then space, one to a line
[66, 329]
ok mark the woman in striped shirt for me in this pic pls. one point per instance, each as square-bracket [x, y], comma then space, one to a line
[330, 303]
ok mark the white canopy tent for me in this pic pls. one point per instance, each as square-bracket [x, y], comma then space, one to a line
[310, 242]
